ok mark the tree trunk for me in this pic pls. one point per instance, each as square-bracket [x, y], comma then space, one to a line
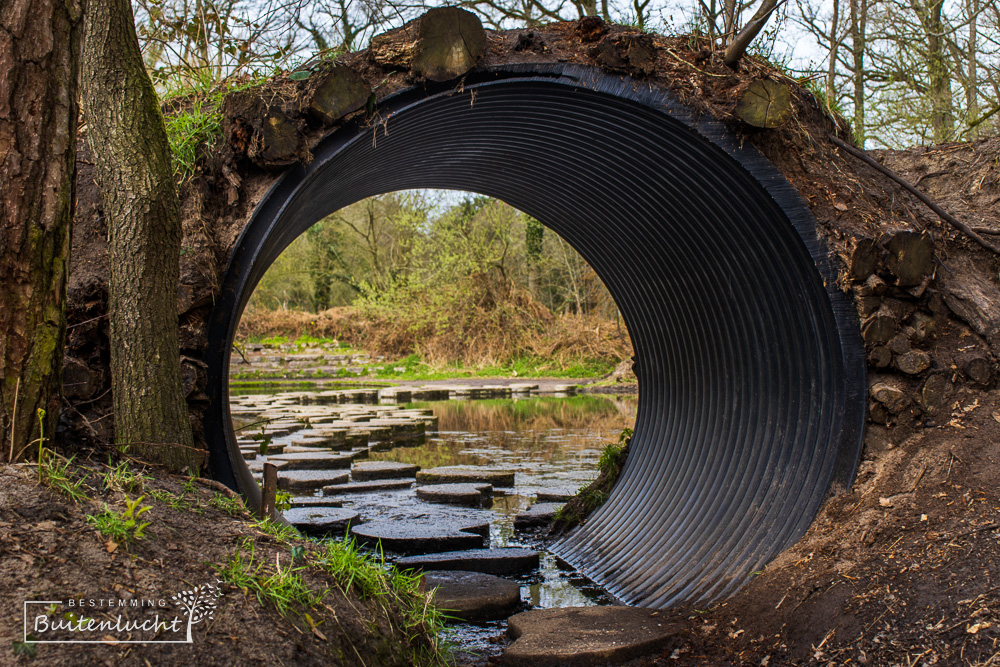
[939, 89]
[859, 21]
[129, 143]
[39, 53]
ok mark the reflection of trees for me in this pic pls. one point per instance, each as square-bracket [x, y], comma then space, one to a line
[529, 428]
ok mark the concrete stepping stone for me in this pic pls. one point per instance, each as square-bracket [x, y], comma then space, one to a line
[321, 520]
[309, 480]
[464, 475]
[258, 466]
[555, 495]
[472, 596]
[367, 487]
[469, 495]
[369, 470]
[316, 501]
[539, 514]
[313, 460]
[585, 636]
[412, 538]
[508, 560]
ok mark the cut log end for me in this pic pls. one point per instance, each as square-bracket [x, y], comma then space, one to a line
[765, 103]
[910, 257]
[341, 92]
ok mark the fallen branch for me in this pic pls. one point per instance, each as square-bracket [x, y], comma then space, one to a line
[944, 215]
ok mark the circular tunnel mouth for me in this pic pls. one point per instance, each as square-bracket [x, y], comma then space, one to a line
[749, 362]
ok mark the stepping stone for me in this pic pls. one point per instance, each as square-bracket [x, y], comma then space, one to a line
[539, 514]
[382, 470]
[258, 466]
[313, 460]
[410, 537]
[321, 520]
[463, 475]
[316, 501]
[309, 480]
[508, 560]
[366, 487]
[585, 636]
[472, 596]
[470, 495]
[555, 495]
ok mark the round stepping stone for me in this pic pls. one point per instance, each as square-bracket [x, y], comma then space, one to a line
[472, 596]
[309, 480]
[508, 560]
[539, 514]
[366, 487]
[258, 466]
[583, 636]
[464, 475]
[407, 537]
[369, 470]
[321, 520]
[313, 460]
[470, 495]
[316, 501]
[555, 495]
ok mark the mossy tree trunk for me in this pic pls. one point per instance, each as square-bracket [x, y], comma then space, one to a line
[39, 54]
[132, 154]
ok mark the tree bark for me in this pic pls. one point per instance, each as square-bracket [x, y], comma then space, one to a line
[39, 54]
[939, 90]
[132, 154]
[859, 25]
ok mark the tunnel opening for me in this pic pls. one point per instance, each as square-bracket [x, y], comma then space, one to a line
[748, 357]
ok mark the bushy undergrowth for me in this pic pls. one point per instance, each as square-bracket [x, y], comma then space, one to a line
[468, 323]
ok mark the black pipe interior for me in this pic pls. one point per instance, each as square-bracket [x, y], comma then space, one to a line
[750, 367]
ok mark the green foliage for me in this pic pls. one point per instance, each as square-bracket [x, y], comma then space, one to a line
[613, 454]
[284, 588]
[122, 527]
[231, 506]
[282, 501]
[123, 479]
[180, 503]
[26, 649]
[58, 473]
[279, 531]
[197, 125]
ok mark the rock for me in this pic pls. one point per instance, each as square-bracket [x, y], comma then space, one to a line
[492, 561]
[470, 495]
[585, 636]
[313, 460]
[309, 480]
[321, 520]
[472, 596]
[539, 514]
[367, 487]
[891, 396]
[369, 470]
[410, 537]
[913, 362]
[463, 475]
[554, 495]
[316, 501]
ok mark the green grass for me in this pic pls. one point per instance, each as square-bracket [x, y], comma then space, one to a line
[523, 367]
[231, 506]
[284, 588]
[57, 472]
[122, 527]
[122, 478]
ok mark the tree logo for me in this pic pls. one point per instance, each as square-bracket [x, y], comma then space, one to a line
[199, 604]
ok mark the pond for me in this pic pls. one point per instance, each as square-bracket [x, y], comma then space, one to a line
[552, 444]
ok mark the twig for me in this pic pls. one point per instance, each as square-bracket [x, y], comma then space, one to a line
[944, 215]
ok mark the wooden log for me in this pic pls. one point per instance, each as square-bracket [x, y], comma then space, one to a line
[899, 344]
[874, 286]
[879, 328]
[890, 395]
[913, 362]
[441, 45]
[910, 257]
[269, 492]
[279, 139]
[924, 327]
[765, 103]
[880, 356]
[341, 92]
[626, 53]
[976, 366]
[936, 393]
[864, 259]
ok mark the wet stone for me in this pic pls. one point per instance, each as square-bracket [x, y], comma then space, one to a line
[585, 636]
[370, 470]
[410, 537]
[309, 480]
[555, 495]
[321, 520]
[313, 460]
[315, 501]
[258, 466]
[472, 596]
[539, 514]
[366, 487]
[466, 475]
[470, 495]
[508, 560]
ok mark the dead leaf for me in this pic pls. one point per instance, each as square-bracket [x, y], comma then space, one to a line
[885, 502]
[111, 546]
[840, 207]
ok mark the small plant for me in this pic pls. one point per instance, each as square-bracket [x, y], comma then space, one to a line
[284, 588]
[122, 527]
[172, 500]
[279, 531]
[26, 648]
[231, 506]
[282, 501]
[122, 478]
[55, 472]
